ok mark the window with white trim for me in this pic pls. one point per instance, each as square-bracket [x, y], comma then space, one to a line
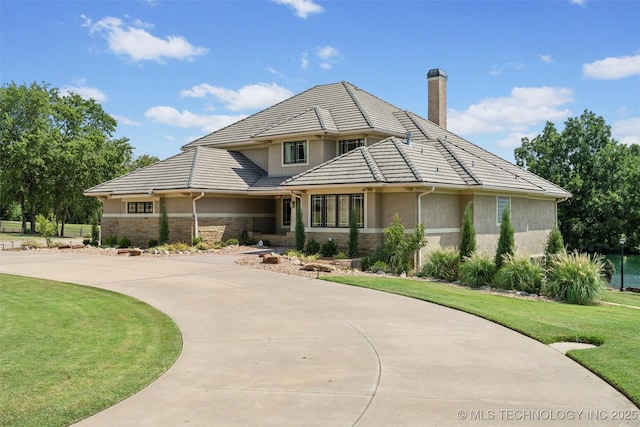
[335, 210]
[503, 203]
[346, 145]
[294, 152]
[140, 207]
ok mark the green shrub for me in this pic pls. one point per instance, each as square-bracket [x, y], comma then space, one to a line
[300, 234]
[555, 244]
[468, 239]
[152, 243]
[379, 266]
[354, 235]
[86, 242]
[366, 263]
[608, 270]
[232, 242]
[477, 270]
[201, 246]
[312, 246]
[124, 242]
[47, 227]
[164, 227]
[329, 249]
[506, 243]
[575, 278]
[519, 273]
[95, 230]
[399, 247]
[196, 240]
[341, 255]
[178, 247]
[111, 241]
[442, 263]
[31, 244]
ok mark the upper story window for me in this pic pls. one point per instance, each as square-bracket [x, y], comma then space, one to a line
[346, 145]
[295, 152]
[503, 203]
[140, 207]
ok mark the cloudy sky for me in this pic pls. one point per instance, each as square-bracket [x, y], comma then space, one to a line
[173, 71]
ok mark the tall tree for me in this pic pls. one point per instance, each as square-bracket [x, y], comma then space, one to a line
[600, 173]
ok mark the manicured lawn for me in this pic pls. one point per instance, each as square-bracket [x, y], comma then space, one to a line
[11, 230]
[69, 351]
[615, 329]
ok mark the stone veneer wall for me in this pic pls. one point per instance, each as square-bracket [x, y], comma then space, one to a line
[367, 242]
[222, 229]
[137, 229]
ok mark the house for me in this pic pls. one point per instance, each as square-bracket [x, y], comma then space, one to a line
[337, 150]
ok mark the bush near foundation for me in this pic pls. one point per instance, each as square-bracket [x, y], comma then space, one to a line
[575, 278]
[477, 270]
[519, 273]
[442, 263]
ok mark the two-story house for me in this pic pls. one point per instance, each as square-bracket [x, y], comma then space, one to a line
[337, 150]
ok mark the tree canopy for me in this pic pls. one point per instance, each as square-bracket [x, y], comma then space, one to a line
[601, 174]
[52, 148]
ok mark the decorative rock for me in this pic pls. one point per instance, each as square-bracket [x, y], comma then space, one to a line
[271, 259]
[316, 266]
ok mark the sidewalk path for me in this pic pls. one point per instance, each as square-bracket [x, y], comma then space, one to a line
[267, 349]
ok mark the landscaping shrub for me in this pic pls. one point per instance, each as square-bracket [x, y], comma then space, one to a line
[442, 263]
[379, 266]
[31, 244]
[608, 270]
[164, 227]
[506, 243]
[468, 239]
[312, 247]
[152, 243]
[201, 246]
[341, 255]
[196, 240]
[354, 235]
[398, 247]
[86, 242]
[47, 227]
[519, 273]
[328, 249]
[366, 263]
[575, 278]
[111, 241]
[232, 242]
[95, 230]
[124, 242]
[477, 270]
[555, 245]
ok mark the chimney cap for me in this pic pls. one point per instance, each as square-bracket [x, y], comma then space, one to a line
[437, 72]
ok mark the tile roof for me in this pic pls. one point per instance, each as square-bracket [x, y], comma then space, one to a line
[336, 107]
[200, 169]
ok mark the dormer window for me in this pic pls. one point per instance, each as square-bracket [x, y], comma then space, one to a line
[346, 145]
[295, 152]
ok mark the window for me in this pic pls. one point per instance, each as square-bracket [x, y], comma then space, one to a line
[334, 210]
[140, 207]
[286, 212]
[295, 152]
[346, 145]
[503, 203]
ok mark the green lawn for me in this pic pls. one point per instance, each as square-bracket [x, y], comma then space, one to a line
[11, 230]
[615, 329]
[69, 351]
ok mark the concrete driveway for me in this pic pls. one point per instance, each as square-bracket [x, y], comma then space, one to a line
[267, 349]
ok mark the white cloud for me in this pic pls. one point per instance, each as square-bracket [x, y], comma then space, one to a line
[613, 67]
[578, 2]
[328, 56]
[303, 8]
[134, 42]
[86, 92]
[525, 107]
[187, 119]
[546, 58]
[124, 120]
[249, 97]
[304, 61]
[627, 131]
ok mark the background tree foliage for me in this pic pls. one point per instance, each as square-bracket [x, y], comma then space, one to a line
[601, 174]
[52, 148]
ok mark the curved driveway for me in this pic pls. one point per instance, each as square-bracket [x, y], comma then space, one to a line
[268, 349]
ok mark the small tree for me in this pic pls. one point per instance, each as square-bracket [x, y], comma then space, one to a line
[506, 244]
[95, 231]
[399, 247]
[164, 227]
[555, 244]
[47, 227]
[300, 235]
[354, 233]
[468, 240]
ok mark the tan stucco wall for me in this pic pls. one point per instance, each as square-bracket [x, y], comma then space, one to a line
[441, 215]
[259, 156]
[403, 204]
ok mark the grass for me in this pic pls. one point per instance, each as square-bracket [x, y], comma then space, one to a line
[613, 328]
[70, 351]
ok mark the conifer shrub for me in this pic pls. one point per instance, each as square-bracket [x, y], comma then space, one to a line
[468, 239]
[506, 242]
[312, 247]
[163, 239]
[575, 278]
[477, 270]
[329, 248]
[554, 245]
[300, 234]
[519, 273]
[124, 242]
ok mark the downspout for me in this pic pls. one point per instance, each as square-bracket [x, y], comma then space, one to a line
[195, 215]
[433, 188]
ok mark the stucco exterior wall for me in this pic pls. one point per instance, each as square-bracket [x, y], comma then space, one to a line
[441, 215]
[259, 156]
[403, 204]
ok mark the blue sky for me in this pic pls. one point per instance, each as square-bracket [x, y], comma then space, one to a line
[173, 71]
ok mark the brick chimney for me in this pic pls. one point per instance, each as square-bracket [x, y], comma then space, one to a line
[437, 96]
